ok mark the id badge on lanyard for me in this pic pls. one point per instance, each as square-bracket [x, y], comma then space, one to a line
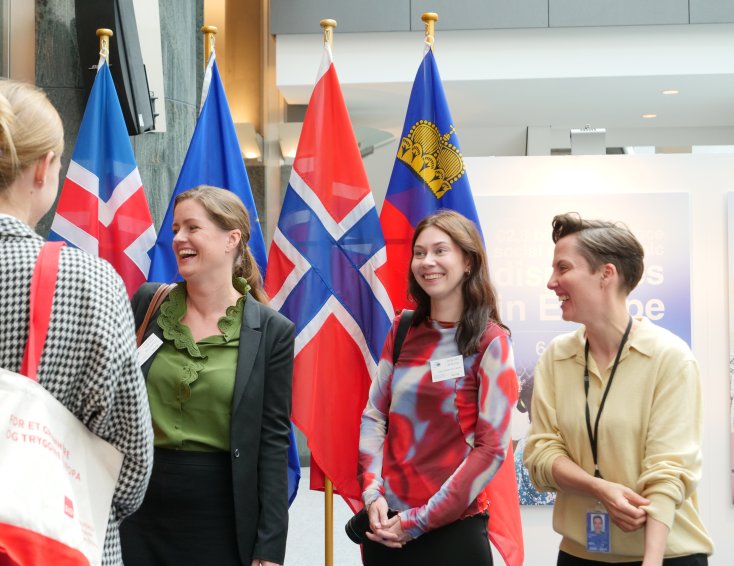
[598, 537]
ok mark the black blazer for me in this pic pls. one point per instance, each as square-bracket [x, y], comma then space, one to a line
[259, 425]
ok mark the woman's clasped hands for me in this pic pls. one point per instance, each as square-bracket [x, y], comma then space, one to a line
[383, 529]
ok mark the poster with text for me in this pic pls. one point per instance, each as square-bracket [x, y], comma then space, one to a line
[517, 231]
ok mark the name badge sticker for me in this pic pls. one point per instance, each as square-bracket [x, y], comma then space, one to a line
[148, 348]
[447, 368]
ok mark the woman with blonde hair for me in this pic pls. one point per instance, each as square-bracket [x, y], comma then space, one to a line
[89, 361]
[219, 384]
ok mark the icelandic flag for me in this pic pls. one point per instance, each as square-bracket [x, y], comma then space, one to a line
[214, 158]
[429, 175]
[324, 275]
[103, 209]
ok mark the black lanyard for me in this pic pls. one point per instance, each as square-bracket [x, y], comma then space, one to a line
[594, 437]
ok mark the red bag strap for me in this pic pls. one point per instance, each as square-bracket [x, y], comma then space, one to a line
[43, 284]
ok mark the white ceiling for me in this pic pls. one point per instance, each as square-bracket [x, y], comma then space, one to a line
[500, 82]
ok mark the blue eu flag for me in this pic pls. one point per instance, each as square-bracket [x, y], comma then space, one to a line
[214, 158]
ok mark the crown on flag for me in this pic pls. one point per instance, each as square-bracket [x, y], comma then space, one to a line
[432, 157]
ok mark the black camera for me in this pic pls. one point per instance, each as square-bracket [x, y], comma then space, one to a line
[357, 526]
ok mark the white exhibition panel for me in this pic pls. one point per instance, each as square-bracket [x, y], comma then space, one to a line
[706, 179]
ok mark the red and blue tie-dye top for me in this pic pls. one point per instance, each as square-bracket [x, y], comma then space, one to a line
[445, 439]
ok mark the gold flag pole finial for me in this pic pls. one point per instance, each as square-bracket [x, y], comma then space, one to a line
[328, 26]
[209, 33]
[104, 36]
[430, 18]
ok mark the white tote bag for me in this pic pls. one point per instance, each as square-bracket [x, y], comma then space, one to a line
[56, 477]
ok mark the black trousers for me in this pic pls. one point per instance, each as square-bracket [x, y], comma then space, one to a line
[565, 559]
[461, 543]
[187, 516]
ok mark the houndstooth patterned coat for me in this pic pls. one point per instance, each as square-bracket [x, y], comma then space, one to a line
[89, 362]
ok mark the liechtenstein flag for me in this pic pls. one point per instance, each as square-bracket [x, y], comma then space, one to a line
[103, 209]
[214, 158]
[323, 274]
[429, 175]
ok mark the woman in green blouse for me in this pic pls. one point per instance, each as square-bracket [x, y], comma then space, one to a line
[219, 383]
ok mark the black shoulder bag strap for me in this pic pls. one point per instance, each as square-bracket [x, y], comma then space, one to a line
[400, 334]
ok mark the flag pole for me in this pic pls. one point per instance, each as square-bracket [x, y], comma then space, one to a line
[328, 26]
[209, 33]
[429, 19]
[104, 36]
[328, 522]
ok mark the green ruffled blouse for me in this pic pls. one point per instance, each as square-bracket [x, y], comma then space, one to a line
[190, 384]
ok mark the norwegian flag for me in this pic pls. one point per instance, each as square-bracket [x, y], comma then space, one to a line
[103, 209]
[323, 274]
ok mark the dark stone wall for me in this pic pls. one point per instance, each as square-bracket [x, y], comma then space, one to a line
[160, 156]
[59, 74]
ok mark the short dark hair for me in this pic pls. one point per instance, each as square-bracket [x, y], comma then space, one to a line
[600, 242]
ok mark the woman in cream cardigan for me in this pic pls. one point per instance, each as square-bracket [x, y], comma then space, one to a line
[616, 407]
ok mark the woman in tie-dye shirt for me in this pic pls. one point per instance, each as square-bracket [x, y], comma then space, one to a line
[447, 400]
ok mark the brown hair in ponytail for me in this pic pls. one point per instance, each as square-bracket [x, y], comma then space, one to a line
[226, 210]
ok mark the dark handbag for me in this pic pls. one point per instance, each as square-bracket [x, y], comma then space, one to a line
[359, 524]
